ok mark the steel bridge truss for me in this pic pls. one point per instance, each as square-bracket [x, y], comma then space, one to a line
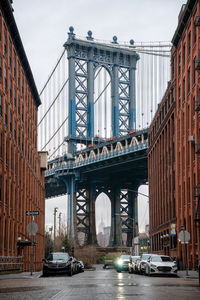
[84, 58]
[124, 214]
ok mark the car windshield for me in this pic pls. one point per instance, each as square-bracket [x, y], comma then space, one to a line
[58, 256]
[145, 257]
[161, 259]
[134, 258]
[125, 256]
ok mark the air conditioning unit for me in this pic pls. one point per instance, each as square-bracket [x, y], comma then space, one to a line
[191, 138]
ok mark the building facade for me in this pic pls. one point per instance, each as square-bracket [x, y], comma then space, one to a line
[174, 162]
[21, 176]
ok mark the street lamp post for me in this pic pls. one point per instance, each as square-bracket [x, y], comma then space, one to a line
[150, 231]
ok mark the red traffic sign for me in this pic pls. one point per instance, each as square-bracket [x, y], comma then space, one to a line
[32, 212]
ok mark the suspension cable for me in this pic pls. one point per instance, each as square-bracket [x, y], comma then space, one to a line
[55, 133]
[53, 101]
[56, 149]
[52, 73]
[102, 92]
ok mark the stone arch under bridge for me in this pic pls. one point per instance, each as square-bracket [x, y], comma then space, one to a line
[124, 216]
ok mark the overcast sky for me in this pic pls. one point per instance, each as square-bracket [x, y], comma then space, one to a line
[43, 26]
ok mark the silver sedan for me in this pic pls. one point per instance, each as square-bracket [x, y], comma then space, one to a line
[160, 264]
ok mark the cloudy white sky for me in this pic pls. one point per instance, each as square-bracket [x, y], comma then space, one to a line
[43, 26]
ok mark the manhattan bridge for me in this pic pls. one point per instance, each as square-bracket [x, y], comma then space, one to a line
[96, 107]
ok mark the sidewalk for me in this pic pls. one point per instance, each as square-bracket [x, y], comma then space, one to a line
[21, 275]
[191, 274]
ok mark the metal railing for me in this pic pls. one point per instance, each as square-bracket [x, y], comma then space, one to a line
[10, 263]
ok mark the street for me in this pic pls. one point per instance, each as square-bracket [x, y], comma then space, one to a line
[97, 284]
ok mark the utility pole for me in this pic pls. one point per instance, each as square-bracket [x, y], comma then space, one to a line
[55, 211]
[59, 223]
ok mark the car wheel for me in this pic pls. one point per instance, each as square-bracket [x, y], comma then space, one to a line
[44, 274]
[70, 271]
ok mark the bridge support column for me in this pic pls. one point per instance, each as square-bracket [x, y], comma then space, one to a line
[72, 104]
[92, 239]
[116, 232]
[90, 86]
[133, 218]
[71, 208]
[132, 104]
[115, 99]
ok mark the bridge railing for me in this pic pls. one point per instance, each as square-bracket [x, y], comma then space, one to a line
[63, 165]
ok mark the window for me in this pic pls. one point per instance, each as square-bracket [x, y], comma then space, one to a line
[11, 121]
[179, 64]
[188, 80]
[179, 97]
[172, 94]
[22, 86]
[10, 57]
[6, 113]
[19, 136]
[15, 97]
[10, 89]
[18, 77]
[22, 112]
[195, 34]
[15, 130]
[18, 105]
[5, 78]
[194, 71]
[14, 65]
[5, 43]
[189, 43]
[184, 55]
[183, 89]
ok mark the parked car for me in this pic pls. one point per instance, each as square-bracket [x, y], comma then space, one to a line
[142, 263]
[58, 263]
[108, 264]
[122, 263]
[136, 266]
[132, 263]
[80, 266]
[161, 264]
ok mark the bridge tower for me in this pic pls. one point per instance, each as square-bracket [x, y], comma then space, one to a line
[84, 58]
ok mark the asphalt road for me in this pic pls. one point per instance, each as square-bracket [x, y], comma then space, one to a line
[98, 284]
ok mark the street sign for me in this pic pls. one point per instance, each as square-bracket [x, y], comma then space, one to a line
[173, 230]
[32, 212]
[184, 236]
[32, 228]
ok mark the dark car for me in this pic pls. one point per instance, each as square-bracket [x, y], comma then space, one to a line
[58, 263]
[122, 263]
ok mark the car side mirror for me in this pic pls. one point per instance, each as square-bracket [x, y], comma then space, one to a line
[44, 260]
[148, 260]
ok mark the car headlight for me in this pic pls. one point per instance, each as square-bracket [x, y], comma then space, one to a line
[120, 262]
[174, 266]
[154, 266]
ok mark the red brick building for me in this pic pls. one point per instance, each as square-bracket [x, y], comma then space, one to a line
[21, 176]
[174, 146]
